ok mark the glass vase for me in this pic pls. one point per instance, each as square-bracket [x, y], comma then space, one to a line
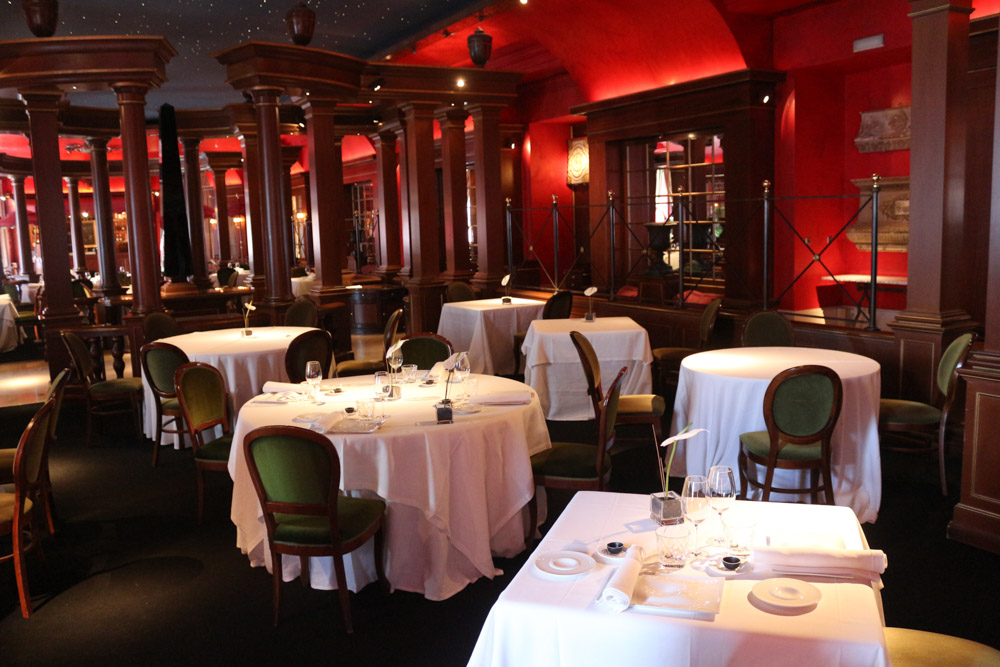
[665, 509]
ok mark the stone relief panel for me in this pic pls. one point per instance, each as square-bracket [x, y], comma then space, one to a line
[884, 130]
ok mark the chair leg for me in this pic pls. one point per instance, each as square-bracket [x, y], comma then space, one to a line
[45, 495]
[814, 486]
[941, 433]
[379, 560]
[276, 584]
[828, 483]
[201, 495]
[159, 433]
[517, 358]
[23, 592]
[742, 466]
[768, 481]
[342, 592]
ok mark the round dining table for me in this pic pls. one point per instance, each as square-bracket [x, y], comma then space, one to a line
[723, 391]
[454, 491]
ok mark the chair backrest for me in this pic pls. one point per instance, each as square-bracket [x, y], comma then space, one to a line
[952, 359]
[302, 313]
[223, 275]
[802, 405]
[559, 306]
[591, 369]
[315, 345]
[201, 391]
[295, 471]
[79, 355]
[30, 454]
[606, 421]
[81, 290]
[160, 362]
[391, 329]
[425, 349]
[299, 272]
[767, 328]
[707, 322]
[459, 291]
[57, 389]
[159, 325]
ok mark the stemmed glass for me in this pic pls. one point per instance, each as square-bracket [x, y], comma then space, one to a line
[314, 374]
[462, 371]
[382, 388]
[722, 493]
[695, 504]
[396, 361]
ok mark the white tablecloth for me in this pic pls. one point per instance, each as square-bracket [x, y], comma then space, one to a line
[485, 328]
[29, 290]
[245, 363]
[550, 620]
[454, 492]
[10, 334]
[245, 276]
[723, 391]
[302, 284]
[552, 366]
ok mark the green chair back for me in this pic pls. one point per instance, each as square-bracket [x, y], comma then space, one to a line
[11, 290]
[201, 392]
[953, 358]
[591, 369]
[707, 322]
[767, 328]
[302, 313]
[79, 354]
[160, 362]
[294, 469]
[460, 291]
[802, 405]
[223, 275]
[31, 450]
[57, 389]
[159, 325]
[316, 345]
[232, 279]
[559, 306]
[425, 349]
[80, 290]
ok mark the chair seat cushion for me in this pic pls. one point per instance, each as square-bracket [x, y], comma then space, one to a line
[354, 517]
[642, 404]
[117, 387]
[171, 404]
[758, 443]
[7, 507]
[7, 465]
[215, 450]
[895, 411]
[571, 460]
[670, 357]
[915, 647]
[359, 367]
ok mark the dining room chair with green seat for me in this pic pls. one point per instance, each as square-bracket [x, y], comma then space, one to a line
[202, 394]
[916, 648]
[223, 275]
[425, 349]
[296, 474]
[924, 420]
[103, 397]
[315, 345]
[801, 409]
[159, 325]
[559, 306]
[767, 328]
[667, 360]
[352, 367]
[302, 313]
[632, 408]
[160, 362]
[460, 291]
[579, 466]
[18, 510]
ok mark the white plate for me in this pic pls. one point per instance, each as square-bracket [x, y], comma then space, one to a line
[466, 408]
[786, 593]
[308, 417]
[564, 563]
[678, 593]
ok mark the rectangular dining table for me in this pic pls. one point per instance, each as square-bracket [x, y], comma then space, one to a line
[552, 365]
[552, 619]
[485, 328]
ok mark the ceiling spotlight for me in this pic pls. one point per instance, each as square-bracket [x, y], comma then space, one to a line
[524, 2]
[377, 84]
[767, 98]
[460, 83]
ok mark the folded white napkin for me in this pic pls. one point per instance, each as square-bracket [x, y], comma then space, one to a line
[326, 423]
[866, 563]
[435, 371]
[272, 387]
[516, 397]
[617, 594]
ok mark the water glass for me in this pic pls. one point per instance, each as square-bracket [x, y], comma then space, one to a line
[739, 530]
[365, 408]
[672, 544]
[409, 373]
[722, 493]
[695, 504]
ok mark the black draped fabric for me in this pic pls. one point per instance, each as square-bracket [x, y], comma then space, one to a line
[176, 243]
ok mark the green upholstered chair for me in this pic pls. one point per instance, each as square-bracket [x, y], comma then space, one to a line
[81, 290]
[296, 473]
[459, 291]
[352, 367]
[559, 306]
[223, 275]
[204, 401]
[160, 362]
[767, 328]
[103, 397]
[578, 465]
[801, 408]
[302, 313]
[632, 408]
[928, 421]
[425, 349]
[17, 510]
[315, 345]
[299, 272]
[159, 325]
[915, 648]
[667, 360]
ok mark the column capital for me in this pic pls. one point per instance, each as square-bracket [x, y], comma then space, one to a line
[131, 92]
[100, 143]
[71, 180]
[451, 116]
[418, 109]
[16, 180]
[266, 94]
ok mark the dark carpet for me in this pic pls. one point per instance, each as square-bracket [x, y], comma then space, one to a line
[131, 578]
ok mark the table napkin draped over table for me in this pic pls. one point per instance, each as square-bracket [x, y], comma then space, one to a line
[864, 563]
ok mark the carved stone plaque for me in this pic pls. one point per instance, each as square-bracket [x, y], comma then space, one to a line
[884, 130]
[893, 215]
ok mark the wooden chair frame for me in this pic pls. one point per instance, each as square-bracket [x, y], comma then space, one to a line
[430, 334]
[297, 374]
[175, 417]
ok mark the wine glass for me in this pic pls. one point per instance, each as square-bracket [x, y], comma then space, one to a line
[695, 504]
[382, 388]
[722, 493]
[462, 371]
[396, 361]
[314, 374]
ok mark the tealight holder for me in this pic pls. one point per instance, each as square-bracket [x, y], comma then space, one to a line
[506, 300]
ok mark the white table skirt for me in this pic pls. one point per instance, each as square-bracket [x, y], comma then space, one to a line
[485, 328]
[302, 284]
[454, 492]
[548, 620]
[723, 391]
[10, 334]
[552, 366]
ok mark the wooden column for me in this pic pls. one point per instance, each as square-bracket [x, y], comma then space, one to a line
[254, 215]
[490, 216]
[326, 195]
[104, 226]
[388, 203]
[289, 156]
[76, 224]
[195, 211]
[406, 270]
[23, 231]
[222, 215]
[933, 315]
[138, 207]
[425, 286]
[456, 221]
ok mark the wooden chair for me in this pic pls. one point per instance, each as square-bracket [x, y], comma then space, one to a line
[767, 328]
[315, 345]
[459, 291]
[559, 306]
[928, 421]
[223, 275]
[160, 362]
[667, 360]
[576, 465]
[17, 509]
[915, 648]
[103, 397]
[159, 325]
[425, 349]
[801, 408]
[632, 408]
[204, 401]
[367, 367]
[296, 473]
[302, 313]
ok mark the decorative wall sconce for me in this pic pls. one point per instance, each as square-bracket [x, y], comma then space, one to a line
[578, 162]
